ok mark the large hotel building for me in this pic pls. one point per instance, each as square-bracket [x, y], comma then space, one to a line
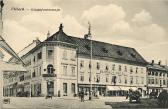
[63, 65]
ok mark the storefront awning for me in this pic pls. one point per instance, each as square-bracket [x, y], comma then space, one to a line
[124, 88]
[133, 88]
[111, 88]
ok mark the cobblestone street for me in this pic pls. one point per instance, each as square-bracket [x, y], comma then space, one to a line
[61, 103]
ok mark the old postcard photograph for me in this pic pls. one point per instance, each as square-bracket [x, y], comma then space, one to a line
[83, 54]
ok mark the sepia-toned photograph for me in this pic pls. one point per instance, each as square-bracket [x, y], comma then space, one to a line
[83, 54]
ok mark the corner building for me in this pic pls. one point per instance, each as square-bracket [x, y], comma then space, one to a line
[61, 66]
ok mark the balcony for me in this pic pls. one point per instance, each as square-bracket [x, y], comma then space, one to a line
[49, 75]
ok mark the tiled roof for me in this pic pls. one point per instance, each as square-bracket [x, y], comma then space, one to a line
[100, 49]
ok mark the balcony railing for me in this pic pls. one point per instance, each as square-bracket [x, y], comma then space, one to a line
[49, 75]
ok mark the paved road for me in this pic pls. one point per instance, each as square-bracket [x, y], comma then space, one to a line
[61, 103]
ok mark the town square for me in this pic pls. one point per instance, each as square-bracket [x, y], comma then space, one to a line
[58, 54]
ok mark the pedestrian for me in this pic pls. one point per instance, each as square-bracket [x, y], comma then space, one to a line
[82, 96]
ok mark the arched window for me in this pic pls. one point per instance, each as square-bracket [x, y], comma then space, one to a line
[50, 69]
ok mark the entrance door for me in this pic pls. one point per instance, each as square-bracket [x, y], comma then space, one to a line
[50, 88]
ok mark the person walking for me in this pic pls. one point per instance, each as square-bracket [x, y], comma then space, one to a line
[82, 96]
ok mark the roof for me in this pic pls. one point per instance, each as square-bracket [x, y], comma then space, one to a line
[100, 49]
[11, 66]
[157, 67]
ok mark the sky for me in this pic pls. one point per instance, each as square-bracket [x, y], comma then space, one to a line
[140, 24]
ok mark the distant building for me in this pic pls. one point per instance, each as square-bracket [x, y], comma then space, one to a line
[60, 66]
[157, 77]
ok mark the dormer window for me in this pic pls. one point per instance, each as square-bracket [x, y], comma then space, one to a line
[133, 55]
[87, 47]
[119, 53]
[105, 50]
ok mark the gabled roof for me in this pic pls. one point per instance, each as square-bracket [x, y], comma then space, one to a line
[100, 49]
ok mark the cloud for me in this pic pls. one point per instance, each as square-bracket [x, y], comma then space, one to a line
[108, 13]
[142, 18]
[24, 27]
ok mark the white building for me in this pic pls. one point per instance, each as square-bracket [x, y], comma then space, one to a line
[157, 79]
[60, 66]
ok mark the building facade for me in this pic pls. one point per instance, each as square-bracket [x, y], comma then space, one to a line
[62, 66]
[157, 79]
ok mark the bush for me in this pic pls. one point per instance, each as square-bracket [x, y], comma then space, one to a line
[163, 99]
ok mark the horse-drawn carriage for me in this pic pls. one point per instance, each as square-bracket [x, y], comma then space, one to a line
[134, 95]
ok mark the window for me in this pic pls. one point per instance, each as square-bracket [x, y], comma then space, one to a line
[113, 67]
[34, 59]
[107, 67]
[160, 74]
[114, 79]
[119, 68]
[98, 65]
[156, 73]
[73, 71]
[136, 69]
[73, 56]
[131, 69]
[153, 73]
[50, 69]
[97, 78]
[125, 80]
[64, 54]
[156, 81]
[119, 53]
[73, 88]
[164, 82]
[64, 70]
[125, 68]
[39, 56]
[82, 77]
[104, 50]
[160, 82]
[50, 54]
[107, 78]
[81, 64]
[131, 79]
[149, 73]
[65, 89]
[152, 80]
[34, 73]
[141, 70]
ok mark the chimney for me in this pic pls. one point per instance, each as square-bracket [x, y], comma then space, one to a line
[61, 27]
[159, 63]
[48, 34]
[152, 62]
